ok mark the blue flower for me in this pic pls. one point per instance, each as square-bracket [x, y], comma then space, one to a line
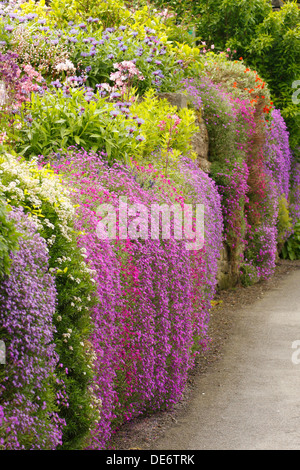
[140, 121]
[114, 113]
[88, 68]
[139, 51]
[115, 94]
[56, 84]
[131, 129]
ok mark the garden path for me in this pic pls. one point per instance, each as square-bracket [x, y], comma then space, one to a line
[250, 398]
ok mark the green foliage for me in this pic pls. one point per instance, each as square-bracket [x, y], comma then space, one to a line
[284, 222]
[268, 41]
[59, 122]
[8, 239]
[248, 274]
[291, 249]
[168, 132]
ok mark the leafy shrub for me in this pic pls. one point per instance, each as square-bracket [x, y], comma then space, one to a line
[167, 131]
[8, 239]
[291, 249]
[284, 224]
[248, 274]
[59, 120]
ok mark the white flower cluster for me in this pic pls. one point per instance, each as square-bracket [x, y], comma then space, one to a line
[29, 186]
[65, 66]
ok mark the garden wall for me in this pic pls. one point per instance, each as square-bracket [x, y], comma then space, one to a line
[201, 148]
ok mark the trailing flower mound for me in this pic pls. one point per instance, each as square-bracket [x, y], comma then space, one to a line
[29, 386]
[153, 309]
[41, 195]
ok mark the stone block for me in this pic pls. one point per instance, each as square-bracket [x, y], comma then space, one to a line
[175, 99]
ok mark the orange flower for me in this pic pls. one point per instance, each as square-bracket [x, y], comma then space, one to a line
[241, 58]
[234, 84]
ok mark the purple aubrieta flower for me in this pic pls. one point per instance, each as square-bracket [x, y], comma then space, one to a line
[110, 56]
[42, 21]
[122, 28]
[149, 59]
[84, 54]
[140, 138]
[88, 68]
[82, 26]
[8, 28]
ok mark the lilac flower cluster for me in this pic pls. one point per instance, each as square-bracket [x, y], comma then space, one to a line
[27, 390]
[277, 152]
[295, 192]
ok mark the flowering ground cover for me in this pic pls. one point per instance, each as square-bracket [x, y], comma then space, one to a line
[99, 330]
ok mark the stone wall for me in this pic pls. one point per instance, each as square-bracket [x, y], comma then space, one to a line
[200, 141]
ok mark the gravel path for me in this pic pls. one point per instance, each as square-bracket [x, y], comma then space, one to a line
[244, 393]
